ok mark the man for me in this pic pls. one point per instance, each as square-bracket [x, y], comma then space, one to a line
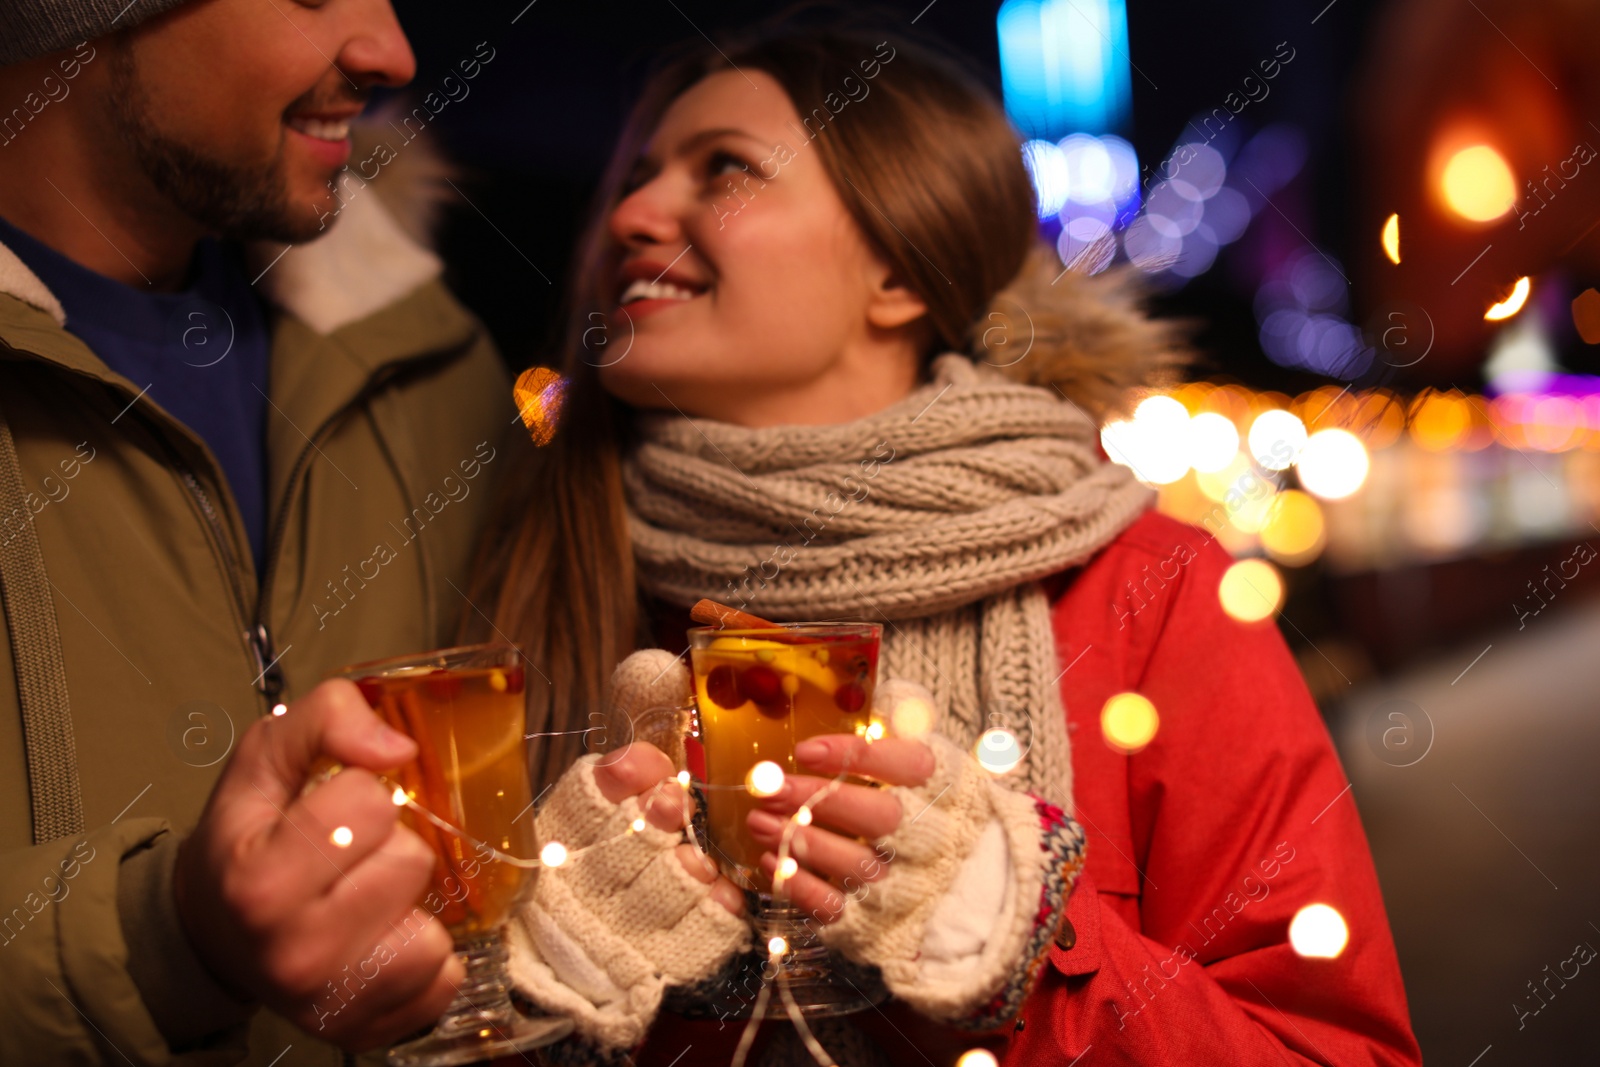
[246, 436]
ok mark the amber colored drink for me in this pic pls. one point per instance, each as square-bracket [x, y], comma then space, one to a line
[464, 707]
[471, 771]
[759, 692]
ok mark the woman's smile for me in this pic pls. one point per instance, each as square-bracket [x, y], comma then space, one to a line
[649, 287]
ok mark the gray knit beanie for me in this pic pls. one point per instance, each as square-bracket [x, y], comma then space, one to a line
[30, 28]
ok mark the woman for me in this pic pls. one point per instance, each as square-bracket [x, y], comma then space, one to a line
[813, 252]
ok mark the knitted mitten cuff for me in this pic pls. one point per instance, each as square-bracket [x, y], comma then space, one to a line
[603, 935]
[975, 889]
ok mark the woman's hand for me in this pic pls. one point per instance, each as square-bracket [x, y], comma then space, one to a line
[832, 862]
[642, 770]
[634, 911]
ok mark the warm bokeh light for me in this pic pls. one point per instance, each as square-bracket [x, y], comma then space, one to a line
[911, 718]
[399, 797]
[280, 709]
[637, 826]
[1439, 420]
[765, 779]
[777, 946]
[1250, 590]
[1318, 932]
[1334, 464]
[1586, 315]
[1397, 476]
[1213, 442]
[803, 816]
[905, 707]
[554, 854]
[1478, 184]
[998, 750]
[1276, 438]
[1249, 509]
[977, 1057]
[1391, 238]
[1216, 485]
[1379, 419]
[683, 779]
[1160, 408]
[1294, 532]
[1153, 444]
[342, 836]
[539, 394]
[788, 868]
[1129, 722]
[1512, 303]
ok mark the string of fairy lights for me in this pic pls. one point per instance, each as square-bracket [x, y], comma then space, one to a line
[1129, 722]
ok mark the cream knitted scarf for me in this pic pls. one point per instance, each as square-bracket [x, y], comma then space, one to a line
[936, 516]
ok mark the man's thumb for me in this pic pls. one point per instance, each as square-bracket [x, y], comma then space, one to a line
[330, 723]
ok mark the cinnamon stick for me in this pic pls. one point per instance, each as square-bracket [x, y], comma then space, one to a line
[711, 613]
[434, 788]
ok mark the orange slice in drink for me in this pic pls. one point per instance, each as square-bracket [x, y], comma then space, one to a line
[482, 757]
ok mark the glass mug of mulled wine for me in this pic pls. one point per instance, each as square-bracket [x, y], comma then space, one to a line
[467, 795]
[758, 692]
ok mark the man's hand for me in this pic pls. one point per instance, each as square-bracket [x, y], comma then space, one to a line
[277, 910]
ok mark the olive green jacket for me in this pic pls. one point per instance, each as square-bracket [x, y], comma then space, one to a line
[387, 406]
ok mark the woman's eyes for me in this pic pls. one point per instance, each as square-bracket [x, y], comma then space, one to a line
[718, 163]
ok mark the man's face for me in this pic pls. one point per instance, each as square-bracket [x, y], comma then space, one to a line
[236, 111]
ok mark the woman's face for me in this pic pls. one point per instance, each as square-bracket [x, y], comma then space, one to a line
[744, 290]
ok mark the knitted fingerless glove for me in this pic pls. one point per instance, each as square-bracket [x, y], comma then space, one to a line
[961, 922]
[603, 935]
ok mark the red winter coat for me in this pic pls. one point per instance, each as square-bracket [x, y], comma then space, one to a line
[1201, 848]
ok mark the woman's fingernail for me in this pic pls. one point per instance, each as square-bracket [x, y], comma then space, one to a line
[391, 740]
[811, 750]
[764, 824]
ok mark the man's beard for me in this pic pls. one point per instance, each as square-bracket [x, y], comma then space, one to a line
[246, 203]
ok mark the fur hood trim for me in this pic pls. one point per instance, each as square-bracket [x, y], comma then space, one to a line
[1085, 336]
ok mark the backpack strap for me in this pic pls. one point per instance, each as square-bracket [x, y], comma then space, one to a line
[36, 653]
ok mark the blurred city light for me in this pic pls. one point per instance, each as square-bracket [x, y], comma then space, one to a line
[1478, 184]
[1294, 530]
[1250, 590]
[1064, 66]
[1391, 238]
[1439, 420]
[1153, 444]
[1334, 464]
[1512, 303]
[1047, 166]
[1276, 439]
[1302, 308]
[1213, 442]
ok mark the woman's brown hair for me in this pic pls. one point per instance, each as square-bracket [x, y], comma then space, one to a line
[924, 160]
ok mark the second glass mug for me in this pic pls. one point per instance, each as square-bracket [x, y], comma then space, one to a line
[758, 692]
[464, 707]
